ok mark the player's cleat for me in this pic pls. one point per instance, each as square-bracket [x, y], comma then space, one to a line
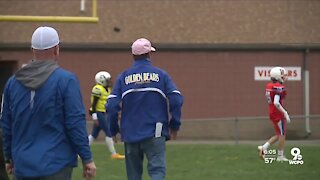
[117, 156]
[282, 159]
[261, 153]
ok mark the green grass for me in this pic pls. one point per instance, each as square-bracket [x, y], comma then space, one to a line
[212, 161]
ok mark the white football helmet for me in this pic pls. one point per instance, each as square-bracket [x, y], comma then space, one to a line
[279, 74]
[102, 78]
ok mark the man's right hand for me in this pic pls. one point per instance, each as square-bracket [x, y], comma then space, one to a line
[173, 134]
[89, 170]
[9, 168]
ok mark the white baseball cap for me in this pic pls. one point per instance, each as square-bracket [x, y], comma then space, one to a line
[142, 46]
[44, 38]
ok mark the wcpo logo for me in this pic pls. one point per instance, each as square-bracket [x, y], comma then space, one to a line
[297, 157]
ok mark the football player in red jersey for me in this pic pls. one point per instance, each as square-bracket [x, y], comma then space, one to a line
[275, 94]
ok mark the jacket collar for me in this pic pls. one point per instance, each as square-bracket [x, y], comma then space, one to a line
[145, 61]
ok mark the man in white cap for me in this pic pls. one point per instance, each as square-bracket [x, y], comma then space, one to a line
[146, 94]
[43, 117]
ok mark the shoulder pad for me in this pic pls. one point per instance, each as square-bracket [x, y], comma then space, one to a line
[278, 89]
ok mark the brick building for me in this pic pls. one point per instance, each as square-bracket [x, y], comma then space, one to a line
[210, 48]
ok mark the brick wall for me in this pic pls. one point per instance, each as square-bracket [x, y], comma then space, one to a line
[172, 21]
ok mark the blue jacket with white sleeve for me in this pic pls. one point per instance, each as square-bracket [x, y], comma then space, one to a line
[43, 120]
[146, 96]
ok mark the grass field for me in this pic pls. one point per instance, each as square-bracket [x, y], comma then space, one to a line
[214, 162]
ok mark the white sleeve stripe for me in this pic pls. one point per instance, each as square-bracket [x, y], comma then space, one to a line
[276, 99]
[176, 91]
[32, 94]
[2, 105]
[144, 90]
[112, 96]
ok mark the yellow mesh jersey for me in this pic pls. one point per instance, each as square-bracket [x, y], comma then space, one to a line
[100, 92]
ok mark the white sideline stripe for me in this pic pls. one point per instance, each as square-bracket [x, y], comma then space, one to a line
[142, 90]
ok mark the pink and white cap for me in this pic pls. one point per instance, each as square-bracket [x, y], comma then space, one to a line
[44, 38]
[142, 46]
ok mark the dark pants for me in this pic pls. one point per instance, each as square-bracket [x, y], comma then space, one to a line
[154, 149]
[3, 172]
[64, 174]
[102, 125]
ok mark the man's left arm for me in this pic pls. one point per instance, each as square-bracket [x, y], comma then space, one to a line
[278, 105]
[75, 121]
[6, 123]
[175, 104]
[113, 107]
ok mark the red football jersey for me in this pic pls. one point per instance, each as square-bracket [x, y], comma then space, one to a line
[271, 90]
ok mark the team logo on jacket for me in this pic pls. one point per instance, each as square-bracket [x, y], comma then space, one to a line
[141, 78]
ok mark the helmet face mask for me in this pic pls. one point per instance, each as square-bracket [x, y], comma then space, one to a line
[278, 74]
[103, 78]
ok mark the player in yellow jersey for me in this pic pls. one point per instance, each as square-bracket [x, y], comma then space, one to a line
[99, 95]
